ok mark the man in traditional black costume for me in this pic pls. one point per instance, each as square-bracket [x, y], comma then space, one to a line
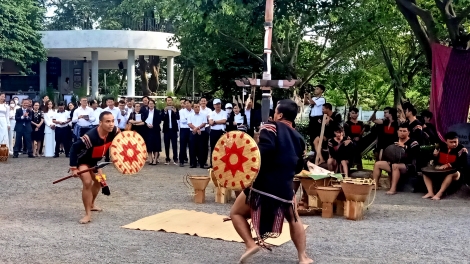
[86, 152]
[271, 198]
[450, 155]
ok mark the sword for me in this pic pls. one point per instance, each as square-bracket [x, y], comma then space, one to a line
[94, 169]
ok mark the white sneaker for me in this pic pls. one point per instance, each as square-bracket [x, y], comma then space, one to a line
[167, 163]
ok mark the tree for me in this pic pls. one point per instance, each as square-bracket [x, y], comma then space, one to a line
[451, 26]
[20, 40]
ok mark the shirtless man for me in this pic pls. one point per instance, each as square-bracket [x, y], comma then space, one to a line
[450, 154]
[271, 197]
[86, 152]
[408, 162]
[333, 120]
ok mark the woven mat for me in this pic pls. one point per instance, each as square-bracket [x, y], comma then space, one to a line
[199, 224]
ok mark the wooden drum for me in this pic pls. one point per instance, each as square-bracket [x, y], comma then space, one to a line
[3, 152]
[356, 192]
[328, 196]
[199, 184]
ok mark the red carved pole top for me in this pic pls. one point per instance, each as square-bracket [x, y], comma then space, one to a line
[269, 15]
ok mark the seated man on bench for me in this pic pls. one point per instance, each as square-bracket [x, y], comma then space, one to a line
[450, 155]
[407, 163]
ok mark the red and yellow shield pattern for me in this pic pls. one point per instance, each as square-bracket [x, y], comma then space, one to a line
[128, 152]
[236, 160]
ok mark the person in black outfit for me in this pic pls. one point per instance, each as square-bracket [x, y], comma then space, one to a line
[407, 163]
[353, 130]
[37, 126]
[340, 151]
[153, 137]
[170, 117]
[23, 129]
[271, 197]
[429, 130]
[450, 154]
[387, 130]
[333, 120]
[85, 153]
[416, 128]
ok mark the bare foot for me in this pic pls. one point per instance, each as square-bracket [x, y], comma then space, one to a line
[391, 193]
[304, 259]
[85, 219]
[248, 253]
[436, 197]
[428, 195]
[96, 209]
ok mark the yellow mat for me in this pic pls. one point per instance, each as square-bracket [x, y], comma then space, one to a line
[199, 224]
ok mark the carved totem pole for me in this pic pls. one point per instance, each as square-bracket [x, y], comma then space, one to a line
[266, 83]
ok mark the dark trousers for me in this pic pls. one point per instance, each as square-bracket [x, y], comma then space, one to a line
[184, 143]
[205, 145]
[196, 149]
[64, 137]
[314, 129]
[173, 137]
[23, 138]
[214, 137]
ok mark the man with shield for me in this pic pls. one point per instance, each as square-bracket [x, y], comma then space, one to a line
[85, 154]
[271, 198]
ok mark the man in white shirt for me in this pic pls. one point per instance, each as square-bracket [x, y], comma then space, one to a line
[129, 105]
[96, 112]
[197, 149]
[123, 116]
[114, 110]
[61, 119]
[185, 132]
[217, 121]
[316, 113]
[205, 111]
[83, 116]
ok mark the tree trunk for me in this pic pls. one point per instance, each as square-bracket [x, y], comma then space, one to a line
[154, 67]
[181, 78]
[143, 75]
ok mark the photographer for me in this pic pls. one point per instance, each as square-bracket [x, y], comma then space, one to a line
[316, 115]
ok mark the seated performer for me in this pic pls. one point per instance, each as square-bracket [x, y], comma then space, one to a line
[407, 164]
[387, 131]
[86, 152]
[271, 197]
[340, 149]
[353, 130]
[450, 154]
[333, 120]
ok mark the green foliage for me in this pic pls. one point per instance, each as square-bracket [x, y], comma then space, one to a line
[20, 40]
[302, 128]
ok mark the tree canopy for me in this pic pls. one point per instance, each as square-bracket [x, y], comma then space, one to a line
[20, 39]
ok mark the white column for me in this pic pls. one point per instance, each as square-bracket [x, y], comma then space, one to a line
[86, 77]
[94, 74]
[170, 74]
[42, 77]
[131, 72]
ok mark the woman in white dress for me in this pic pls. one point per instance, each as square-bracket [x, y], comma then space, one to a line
[49, 131]
[11, 133]
[4, 121]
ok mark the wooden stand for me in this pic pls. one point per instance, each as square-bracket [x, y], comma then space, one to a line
[328, 196]
[222, 195]
[354, 210]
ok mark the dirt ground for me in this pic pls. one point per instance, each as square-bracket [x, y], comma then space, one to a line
[39, 223]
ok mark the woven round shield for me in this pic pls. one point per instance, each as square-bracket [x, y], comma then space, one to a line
[236, 160]
[128, 152]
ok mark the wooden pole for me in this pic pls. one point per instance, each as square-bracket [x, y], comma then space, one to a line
[322, 133]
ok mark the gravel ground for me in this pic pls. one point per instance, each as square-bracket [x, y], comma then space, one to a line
[39, 223]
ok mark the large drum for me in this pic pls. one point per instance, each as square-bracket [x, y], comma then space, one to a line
[236, 160]
[393, 154]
